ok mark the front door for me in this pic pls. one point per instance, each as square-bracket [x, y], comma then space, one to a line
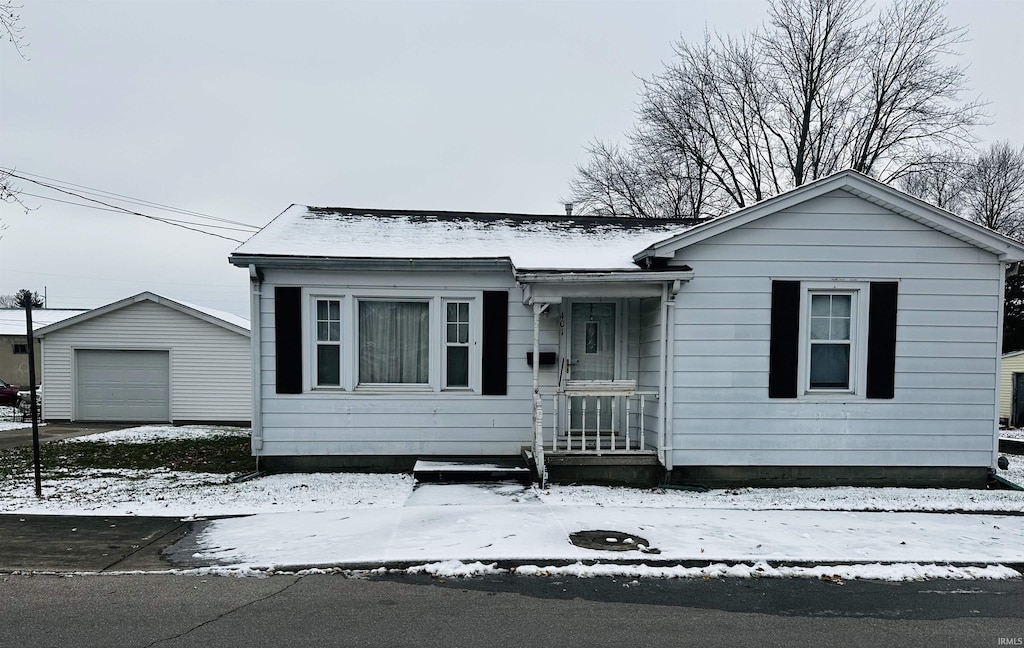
[592, 356]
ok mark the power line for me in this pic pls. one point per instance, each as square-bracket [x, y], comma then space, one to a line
[120, 211]
[138, 201]
[118, 208]
[81, 276]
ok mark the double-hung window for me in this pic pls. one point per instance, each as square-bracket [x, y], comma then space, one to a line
[394, 342]
[831, 342]
[456, 344]
[328, 343]
[833, 339]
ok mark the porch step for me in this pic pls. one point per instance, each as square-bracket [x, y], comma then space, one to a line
[472, 469]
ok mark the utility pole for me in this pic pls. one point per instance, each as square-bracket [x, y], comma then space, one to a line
[32, 391]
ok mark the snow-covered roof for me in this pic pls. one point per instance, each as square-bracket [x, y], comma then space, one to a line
[230, 318]
[12, 320]
[530, 242]
[220, 318]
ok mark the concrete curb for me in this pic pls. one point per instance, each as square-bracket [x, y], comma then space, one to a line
[511, 564]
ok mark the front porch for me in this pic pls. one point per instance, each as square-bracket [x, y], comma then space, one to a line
[602, 413]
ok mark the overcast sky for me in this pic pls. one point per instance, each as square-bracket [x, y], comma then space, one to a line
[238, 109]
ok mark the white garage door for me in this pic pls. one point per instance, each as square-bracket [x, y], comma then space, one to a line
[122, 385]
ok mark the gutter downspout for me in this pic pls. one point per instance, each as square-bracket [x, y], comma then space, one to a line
[663, 369]
[669, 336]
[538, 408]
[256, 283]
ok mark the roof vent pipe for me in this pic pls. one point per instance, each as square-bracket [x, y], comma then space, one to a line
[568, 209]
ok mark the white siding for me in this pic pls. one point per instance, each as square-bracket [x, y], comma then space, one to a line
[210, 365]
[438, 423]
[1011, 364]
[946, 349]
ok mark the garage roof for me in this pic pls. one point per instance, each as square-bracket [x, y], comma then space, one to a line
[12, 320]
[228, 321]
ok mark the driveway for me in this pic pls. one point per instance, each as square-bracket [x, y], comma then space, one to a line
[86, 543]
[56, 431]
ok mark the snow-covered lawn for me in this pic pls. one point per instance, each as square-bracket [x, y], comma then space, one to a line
[1012, 433]
[150, 433]
[166, 492]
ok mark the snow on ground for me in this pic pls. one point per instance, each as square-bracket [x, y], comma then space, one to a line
[10, 419]
[1013, 433]
[185, 494]
[164, 492]
[150, 433]
[527, 533]
[339, 519]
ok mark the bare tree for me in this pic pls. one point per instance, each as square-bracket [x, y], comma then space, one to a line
[940, 178]
[10, 25]
[987, 188]
[822, 87]
[909, 95]
[11, 29]
[995, 189]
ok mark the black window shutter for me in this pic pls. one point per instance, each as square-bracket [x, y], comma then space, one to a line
[494, 346]
[881, 378]
[288, 337]
[785, 340]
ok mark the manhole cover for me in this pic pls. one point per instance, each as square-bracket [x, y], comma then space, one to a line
[608, 540]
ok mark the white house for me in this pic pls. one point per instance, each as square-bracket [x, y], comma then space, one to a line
[842, 332]
[147, 358]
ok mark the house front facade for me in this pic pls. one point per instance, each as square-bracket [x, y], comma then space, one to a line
[840, 333]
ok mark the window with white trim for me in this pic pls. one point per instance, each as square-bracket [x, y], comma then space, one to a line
[456, 344]
[831, 350]
[394, 342]
[328, 343]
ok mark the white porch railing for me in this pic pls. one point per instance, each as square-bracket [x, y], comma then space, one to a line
[596, 417]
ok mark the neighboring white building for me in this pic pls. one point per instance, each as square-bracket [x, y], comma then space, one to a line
[1011, 389]
[147, 358]
[842, 332]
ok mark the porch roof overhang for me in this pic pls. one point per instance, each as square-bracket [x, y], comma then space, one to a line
[540, 287]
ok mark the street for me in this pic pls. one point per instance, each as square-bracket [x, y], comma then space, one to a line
[320, 610]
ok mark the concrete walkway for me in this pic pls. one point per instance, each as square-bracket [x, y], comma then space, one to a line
[540, 534]
[22, 437]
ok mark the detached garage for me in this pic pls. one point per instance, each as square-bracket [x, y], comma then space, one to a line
[147, 358]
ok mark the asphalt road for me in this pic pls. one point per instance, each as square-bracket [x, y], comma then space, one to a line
[332, 610]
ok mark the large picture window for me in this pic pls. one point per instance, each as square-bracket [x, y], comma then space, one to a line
[394, 342]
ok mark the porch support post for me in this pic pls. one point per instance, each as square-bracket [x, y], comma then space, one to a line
[256, 296]
[538, 406]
